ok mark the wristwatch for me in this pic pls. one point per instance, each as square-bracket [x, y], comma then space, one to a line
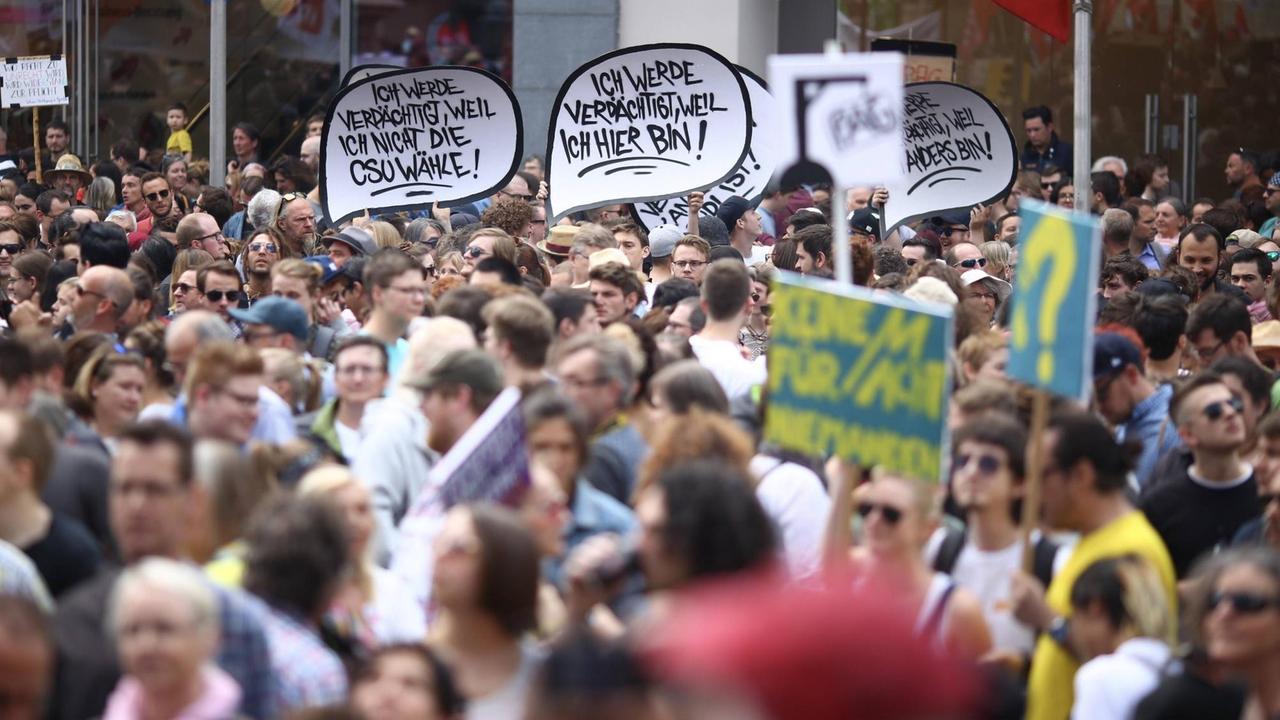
[1058, 631]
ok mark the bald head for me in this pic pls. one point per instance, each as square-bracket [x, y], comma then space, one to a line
[105, 296]
[310, 152]
[434, 339]
[188, 331]
[254, 170]
[201, 231]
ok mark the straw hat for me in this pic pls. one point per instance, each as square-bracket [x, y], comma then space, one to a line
[69, 164]
[559, 241]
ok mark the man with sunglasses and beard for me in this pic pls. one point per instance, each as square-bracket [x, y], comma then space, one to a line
[1199, 511]
[159, 197]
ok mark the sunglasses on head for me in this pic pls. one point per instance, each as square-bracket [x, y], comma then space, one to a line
[12, 248]
[217, 295]
[1216, 410]
[987, 464]
[155, 196]
[1243, 603]
[1273, 255]
[972, 263]
[891, 515]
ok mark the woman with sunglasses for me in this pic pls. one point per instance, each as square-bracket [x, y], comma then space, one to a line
[108, 393]
[1121, 626]
[1238, 615]
[754, 335]
[24, 288]
[897, 516]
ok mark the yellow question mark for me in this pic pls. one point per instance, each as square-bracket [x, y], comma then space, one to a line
[1051, 242]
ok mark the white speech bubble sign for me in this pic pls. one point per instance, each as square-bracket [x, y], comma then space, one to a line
[841, 113]
[406, 139]
[646, 123]
[960, 152]
[748, 181]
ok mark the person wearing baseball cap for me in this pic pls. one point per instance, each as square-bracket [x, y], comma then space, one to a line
[742, 221]
[1135, 407]
[274, 321]
[662, 243]
[455, 393]
[351, 242]
[864, 224]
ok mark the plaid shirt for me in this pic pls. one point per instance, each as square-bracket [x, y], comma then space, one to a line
[307, 674]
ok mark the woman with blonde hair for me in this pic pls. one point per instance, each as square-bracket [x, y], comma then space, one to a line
[490, 242]
[164, 618]
[1121, 625]
[999, 259]
[983, 354]
[384, 234]
[109, 390]
[373, 606]
[25, 286]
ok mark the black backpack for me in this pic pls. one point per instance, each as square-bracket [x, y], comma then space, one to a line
[1043, 553]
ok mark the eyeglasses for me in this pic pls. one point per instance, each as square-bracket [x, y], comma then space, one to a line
[1270, 191]
[583, 383]
[1243, 603]
[891, 515]
[475, 251]
[983, 294]
[217, 295]
[1066, 196]
[157, 196]
[214, 234]
[689, 264]
[1215, 410]
[1205, 353]
[972, 263]
[12, 248]
[526, 198]
[263, 247]
[183, 288]
[82, 290]
[415, 290]
[949, 231]
[253, 337]
[290, 197]
[1046, 185]
[244, 401]
[987, 464]
[349, 370]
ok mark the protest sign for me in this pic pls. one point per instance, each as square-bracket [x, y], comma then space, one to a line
[646, 123]
[34, 80]
[841, 117]
[490, 461]
[859, 374]
[405, 139]
[360, 73]
[959, 152]
[749, 180]
[1054, 300]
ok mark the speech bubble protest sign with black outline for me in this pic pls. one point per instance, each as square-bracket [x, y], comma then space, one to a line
[840, 117]
[621, 158]
[960, 151]
[361, 73]
[390, 143]
[748, 181]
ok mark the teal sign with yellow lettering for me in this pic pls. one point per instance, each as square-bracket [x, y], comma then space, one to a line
[858, 373]
[1054, 300]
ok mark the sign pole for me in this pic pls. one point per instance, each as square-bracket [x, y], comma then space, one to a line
[35, 135]
[1035, 466]
[839, 217]
[1082, 132]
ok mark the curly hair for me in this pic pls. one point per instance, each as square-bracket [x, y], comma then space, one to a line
[511, 216]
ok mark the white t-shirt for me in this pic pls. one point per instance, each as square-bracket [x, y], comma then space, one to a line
[794, 499]
[348, 438]
[736, 374]
[1111, 686]
[393, 614]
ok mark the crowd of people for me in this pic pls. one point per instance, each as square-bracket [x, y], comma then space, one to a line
[220, 412]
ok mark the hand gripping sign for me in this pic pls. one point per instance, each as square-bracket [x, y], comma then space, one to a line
[748, 181]
[646, 123]
[960, 152]
[406, 139]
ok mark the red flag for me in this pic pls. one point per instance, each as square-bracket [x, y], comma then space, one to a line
[1049, 16]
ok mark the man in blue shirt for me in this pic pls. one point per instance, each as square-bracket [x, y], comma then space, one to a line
[1043, 147]
[1131, 403]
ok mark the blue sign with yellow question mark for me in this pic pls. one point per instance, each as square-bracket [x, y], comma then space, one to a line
[1054, 300]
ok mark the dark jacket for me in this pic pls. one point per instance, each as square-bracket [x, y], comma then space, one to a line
[1057, 154]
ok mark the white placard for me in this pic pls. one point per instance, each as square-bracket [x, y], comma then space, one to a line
[751, 176]
[646, 123]
[959, 152]
[33, 81]
[843, 113]
[405, 139]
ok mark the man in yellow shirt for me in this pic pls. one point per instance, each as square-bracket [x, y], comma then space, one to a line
[1082, 486]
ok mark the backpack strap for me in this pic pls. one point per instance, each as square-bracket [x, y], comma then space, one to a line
[1043, 555]
[949, 551]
